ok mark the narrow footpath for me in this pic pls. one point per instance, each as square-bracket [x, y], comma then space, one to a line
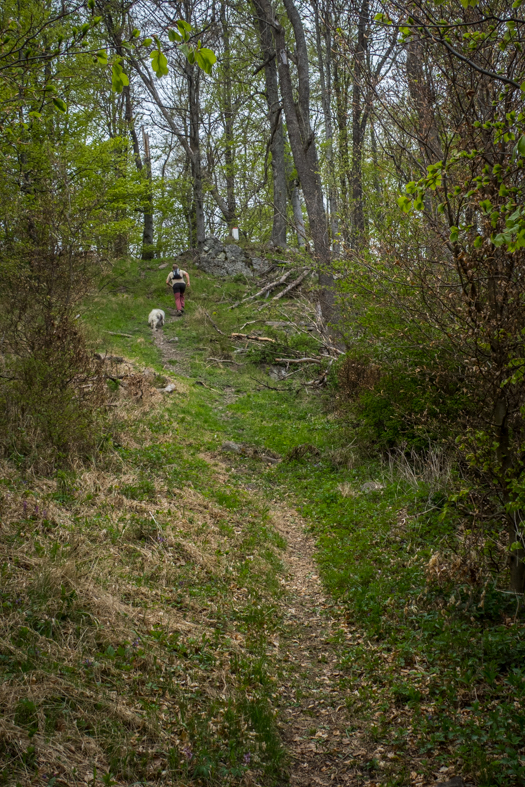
[314, 715]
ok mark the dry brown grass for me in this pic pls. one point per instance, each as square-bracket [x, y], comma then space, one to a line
[95, 571]
[356, 375]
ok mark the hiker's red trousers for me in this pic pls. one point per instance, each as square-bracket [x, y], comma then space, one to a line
[179, 299]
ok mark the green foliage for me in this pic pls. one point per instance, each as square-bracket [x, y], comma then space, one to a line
[119, 79]
[205, 59]
[407, 408]
[159, 63]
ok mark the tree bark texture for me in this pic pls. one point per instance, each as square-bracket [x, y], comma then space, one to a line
[359, 120]
[276, 127]
[341, 89]
[298, 215]
[228, 119]
[325, 77]
[193, 79]
[302, 142]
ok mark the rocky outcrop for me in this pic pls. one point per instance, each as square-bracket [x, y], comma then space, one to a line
[221, 259]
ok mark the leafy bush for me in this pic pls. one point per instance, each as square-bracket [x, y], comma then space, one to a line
[399, 405]
[50, 393]
[51, 389]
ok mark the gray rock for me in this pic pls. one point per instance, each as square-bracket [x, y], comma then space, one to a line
[277, 373]
[229, 260]
[162, 265]
[371, 486]
[260, 265]
[169, 388]
[230, 447]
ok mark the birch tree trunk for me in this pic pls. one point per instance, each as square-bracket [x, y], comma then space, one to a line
[298, 215]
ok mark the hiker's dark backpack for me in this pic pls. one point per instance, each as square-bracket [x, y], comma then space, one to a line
[177, 275]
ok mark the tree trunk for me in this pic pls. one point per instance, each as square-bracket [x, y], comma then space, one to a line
[229, 152]
[359, 119]
[148, 252]
[276, 128]
[192, 76]
[298, 215]
[341, 106]
[379, 213]
[304, 150]
[325, 76]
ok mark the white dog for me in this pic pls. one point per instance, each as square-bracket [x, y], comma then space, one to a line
[156, 319]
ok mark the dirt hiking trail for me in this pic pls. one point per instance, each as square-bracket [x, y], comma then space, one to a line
[314, 718]
[313, 715]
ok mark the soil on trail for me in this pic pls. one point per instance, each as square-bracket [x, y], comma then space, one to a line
[175, 359]
[314, 717]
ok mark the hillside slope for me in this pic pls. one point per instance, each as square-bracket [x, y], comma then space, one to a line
[164, 620]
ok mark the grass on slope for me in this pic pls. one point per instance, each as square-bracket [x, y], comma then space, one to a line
[136, 610]
[435, 664]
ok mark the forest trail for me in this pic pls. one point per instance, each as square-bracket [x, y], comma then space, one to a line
[314, 716]
[313, 720]
[312, 704]
[174, 358]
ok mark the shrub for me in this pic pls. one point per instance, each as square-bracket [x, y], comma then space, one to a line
[51, 389]
[401, 405]
[49, 399]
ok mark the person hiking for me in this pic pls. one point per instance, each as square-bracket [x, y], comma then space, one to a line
[176, 281]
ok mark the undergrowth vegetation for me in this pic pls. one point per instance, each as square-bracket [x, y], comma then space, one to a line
[139, 593]
[133, 635]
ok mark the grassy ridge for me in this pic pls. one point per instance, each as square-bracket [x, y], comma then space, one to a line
[160, 574]
[436, 664]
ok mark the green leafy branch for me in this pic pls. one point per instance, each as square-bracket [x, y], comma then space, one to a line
[194, 52]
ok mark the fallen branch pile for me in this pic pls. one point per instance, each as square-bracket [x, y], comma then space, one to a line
[252, 337]
[268, 288]
[327, 351]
